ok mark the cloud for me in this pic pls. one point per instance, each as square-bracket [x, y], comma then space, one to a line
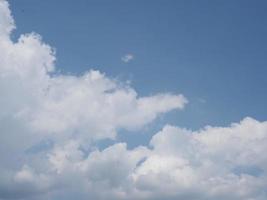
[212, 163]
[92, 105]
[127, 58]
[208, 163]
[71, 113]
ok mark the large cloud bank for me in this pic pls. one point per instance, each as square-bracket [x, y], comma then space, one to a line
[50, 123]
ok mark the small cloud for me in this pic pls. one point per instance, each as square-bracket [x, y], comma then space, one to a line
[127, 58]
[201, 100]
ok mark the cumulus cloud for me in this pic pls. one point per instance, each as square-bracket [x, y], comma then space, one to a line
[208, 163]
[92, 105]
[73, 112]
[212, 163]
[127, 58]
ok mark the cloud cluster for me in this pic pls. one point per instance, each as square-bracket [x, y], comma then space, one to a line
[49, 123]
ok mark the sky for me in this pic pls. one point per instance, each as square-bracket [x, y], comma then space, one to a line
[213, 52]
[132, 99]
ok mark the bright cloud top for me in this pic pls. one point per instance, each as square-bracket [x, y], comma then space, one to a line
[49, 124]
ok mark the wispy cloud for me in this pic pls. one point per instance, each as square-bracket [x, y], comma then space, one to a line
[202, 100]
[127, 58]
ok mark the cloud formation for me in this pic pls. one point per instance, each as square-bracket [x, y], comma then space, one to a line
[127, 58]
[49, 124]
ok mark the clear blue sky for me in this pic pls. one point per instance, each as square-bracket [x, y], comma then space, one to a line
[213, 52]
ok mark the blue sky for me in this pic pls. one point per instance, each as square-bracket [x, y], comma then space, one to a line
[143, 100]
[213, 52]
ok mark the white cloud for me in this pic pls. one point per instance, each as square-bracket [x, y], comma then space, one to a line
[6, 21]
[92, 105]
[73, 111]
[180, 164]
[127, 58]
[206, 161]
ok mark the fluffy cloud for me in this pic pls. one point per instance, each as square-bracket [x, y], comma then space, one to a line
[48, 123]
[178, 164]
[92, 105]
[213, 163]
